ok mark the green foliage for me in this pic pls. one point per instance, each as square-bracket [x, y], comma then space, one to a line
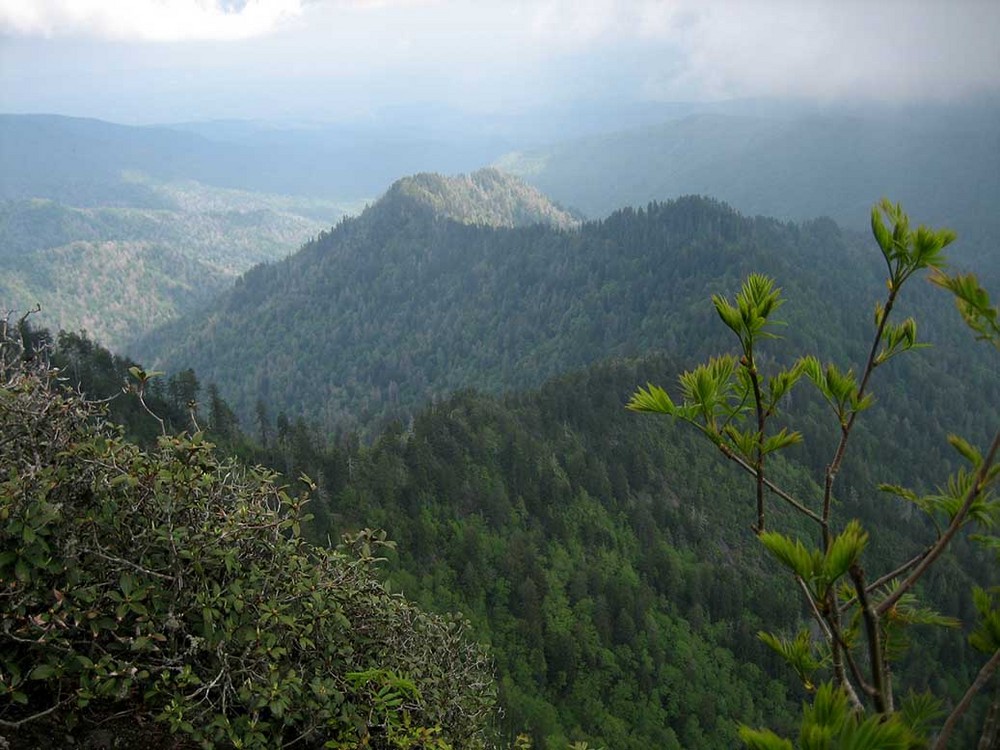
[797, 653]
[973, 303]
[830, 572]
[118, 271]
[756, 300]
[172, 586]
[830, 722]
[400, 305]
[906, 251]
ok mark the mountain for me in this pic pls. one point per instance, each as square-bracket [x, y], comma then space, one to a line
[120, 270]
[116, 228]
[486, 197]
[399, 305]
[603, 556]
[402, 304]
[84, 162]
[944, 169]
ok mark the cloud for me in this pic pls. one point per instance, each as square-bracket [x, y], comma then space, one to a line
[146, 20]
[826, 49]
[889, 49]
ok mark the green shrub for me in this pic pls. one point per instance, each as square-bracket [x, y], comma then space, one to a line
[171, 589]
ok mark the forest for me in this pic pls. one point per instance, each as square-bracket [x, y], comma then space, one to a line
[603, 559]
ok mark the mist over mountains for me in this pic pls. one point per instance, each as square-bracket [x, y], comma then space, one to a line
[943, 169]
[447, 357]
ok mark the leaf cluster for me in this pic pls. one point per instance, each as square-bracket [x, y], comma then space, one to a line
[171, 586]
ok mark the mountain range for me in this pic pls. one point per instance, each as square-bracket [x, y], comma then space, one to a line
[451, 364]
[944, 169]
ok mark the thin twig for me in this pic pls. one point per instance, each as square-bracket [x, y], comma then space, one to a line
[981, 679]
[956, 523]
[27, 719]
[771, 485]
[882, 697]
[133, 565]
[815, 610]
[882, 580]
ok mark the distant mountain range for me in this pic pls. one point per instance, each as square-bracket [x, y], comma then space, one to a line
[799, 166]
[85, 162]
[118, 270]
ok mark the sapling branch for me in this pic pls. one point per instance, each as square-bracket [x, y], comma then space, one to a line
[884, 579]
[882, 696]
[837, 651]
[728, 453]
[845, 431]
[978, 485]
[761, 421]
[982, 679]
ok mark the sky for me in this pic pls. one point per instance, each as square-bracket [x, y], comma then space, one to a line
[146, 61]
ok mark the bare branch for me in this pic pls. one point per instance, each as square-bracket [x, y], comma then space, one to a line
[963, 705]
[771, 485]
[882, 696]
[28, 719]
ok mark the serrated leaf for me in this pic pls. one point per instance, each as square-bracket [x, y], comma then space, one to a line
[792, 553]
[651, 399]
[844, 551]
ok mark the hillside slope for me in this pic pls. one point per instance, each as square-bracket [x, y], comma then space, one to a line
[400, 306]
[119, 270]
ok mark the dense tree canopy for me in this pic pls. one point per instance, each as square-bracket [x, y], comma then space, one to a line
[168, 592]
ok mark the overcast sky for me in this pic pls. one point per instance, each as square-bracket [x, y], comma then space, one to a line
[141, 61]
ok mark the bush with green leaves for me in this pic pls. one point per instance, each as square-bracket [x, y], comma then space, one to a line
[860, 619]
[171, 591]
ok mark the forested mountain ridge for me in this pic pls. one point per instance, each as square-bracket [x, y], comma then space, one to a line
[120, 270]
[400, 305]
[944, 169]
[486, 196]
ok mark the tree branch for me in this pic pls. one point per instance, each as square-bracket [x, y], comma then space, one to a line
[882, 697]
[845, 432]
[27, 719]
[770, 485]
[981, 679]
[956, 523]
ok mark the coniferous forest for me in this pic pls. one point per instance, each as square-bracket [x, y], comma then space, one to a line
[499, 376]
[603, 560]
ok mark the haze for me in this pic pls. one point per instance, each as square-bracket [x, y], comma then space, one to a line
[147, 61]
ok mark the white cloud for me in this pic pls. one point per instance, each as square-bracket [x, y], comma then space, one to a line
[888, 49]
[896, 49]
[146, 20]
